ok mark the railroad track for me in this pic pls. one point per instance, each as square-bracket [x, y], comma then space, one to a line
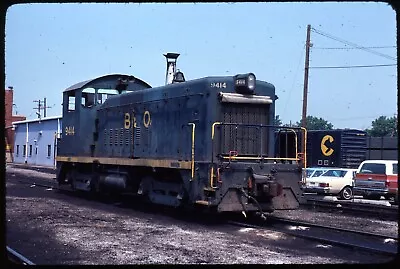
[372, 242]
[374, 210]
[16, 258]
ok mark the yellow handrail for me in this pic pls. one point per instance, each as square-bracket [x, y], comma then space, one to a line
[212, 177]
[212, 144]
[305, 146]
[193, 130]
[213, 129]
[259, 158]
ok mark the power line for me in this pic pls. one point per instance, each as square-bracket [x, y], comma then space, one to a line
[353, 44]
[352, 66]
[362, 117]
[347, 48]
[294, 80]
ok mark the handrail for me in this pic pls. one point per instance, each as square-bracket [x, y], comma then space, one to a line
[212, 154]
[254, 158]
[193, 132]
[259, 158]
[295, 142]
[305, 146]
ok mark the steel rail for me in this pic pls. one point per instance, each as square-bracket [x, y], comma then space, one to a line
[306, 235]
[295, 222]
[374, 209]
[17, 258]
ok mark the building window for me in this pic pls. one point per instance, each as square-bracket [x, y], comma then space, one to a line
[48, 150]
[30, 150]
[36, 151]
[23, 153]
[17, 150]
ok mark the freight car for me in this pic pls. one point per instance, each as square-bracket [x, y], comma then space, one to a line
[206, 143]
[345, 148]
[382, 148]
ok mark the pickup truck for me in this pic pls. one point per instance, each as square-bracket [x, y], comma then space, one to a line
[376, 178]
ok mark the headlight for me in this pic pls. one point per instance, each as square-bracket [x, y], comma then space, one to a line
[245, 83]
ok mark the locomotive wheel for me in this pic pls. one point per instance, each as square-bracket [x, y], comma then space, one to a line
[346, 193]
[145, 186]
[70, 180]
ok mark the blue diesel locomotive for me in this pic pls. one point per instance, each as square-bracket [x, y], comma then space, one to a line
[207, 143]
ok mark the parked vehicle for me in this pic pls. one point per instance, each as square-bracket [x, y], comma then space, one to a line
[376, 178]
[337, 181]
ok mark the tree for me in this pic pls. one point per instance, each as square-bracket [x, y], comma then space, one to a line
[277, 121]
[315, 123]
[383, 126]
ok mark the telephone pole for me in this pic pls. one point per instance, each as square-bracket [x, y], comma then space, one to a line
[44, 107]
[38, 108]
[41, 107]
[306, 66]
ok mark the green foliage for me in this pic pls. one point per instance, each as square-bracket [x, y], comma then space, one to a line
[315, 123]
[383, 126]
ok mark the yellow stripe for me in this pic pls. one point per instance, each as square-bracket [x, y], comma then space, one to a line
[259, 158]
[127, 161]
[201, 202]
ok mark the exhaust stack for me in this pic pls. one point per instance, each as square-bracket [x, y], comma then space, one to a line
[171, 67]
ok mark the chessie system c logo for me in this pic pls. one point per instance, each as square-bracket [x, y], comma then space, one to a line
[325, 150]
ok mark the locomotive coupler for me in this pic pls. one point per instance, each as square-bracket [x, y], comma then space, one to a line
[243, 192]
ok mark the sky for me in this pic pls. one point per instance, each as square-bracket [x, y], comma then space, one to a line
[49, 47]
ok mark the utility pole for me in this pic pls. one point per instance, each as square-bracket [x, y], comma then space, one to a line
[306, 66]
[40, 107]
[44, 107]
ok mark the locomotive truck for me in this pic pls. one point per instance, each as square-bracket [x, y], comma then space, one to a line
[207, 142]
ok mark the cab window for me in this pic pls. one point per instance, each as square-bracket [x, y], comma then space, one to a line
[103, 94]
[88, 96]
[71, 101]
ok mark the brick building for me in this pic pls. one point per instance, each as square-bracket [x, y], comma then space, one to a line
[9, 119]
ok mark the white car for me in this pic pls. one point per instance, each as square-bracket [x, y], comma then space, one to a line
[337, 181]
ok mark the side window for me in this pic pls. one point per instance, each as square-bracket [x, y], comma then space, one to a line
[48, 150]
[88, 97]
[17, 150]
[30, 150]
[395, 168]
[103, 94]
[24, 152]
[71, 101]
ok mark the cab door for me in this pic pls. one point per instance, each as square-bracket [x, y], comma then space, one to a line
[70, 118]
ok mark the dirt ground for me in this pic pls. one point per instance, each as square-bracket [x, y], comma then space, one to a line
[51, 227]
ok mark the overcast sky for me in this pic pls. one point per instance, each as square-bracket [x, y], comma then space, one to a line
[49, 47]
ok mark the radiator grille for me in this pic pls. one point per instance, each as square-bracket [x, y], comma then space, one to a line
[137, 135]
[244, 140]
